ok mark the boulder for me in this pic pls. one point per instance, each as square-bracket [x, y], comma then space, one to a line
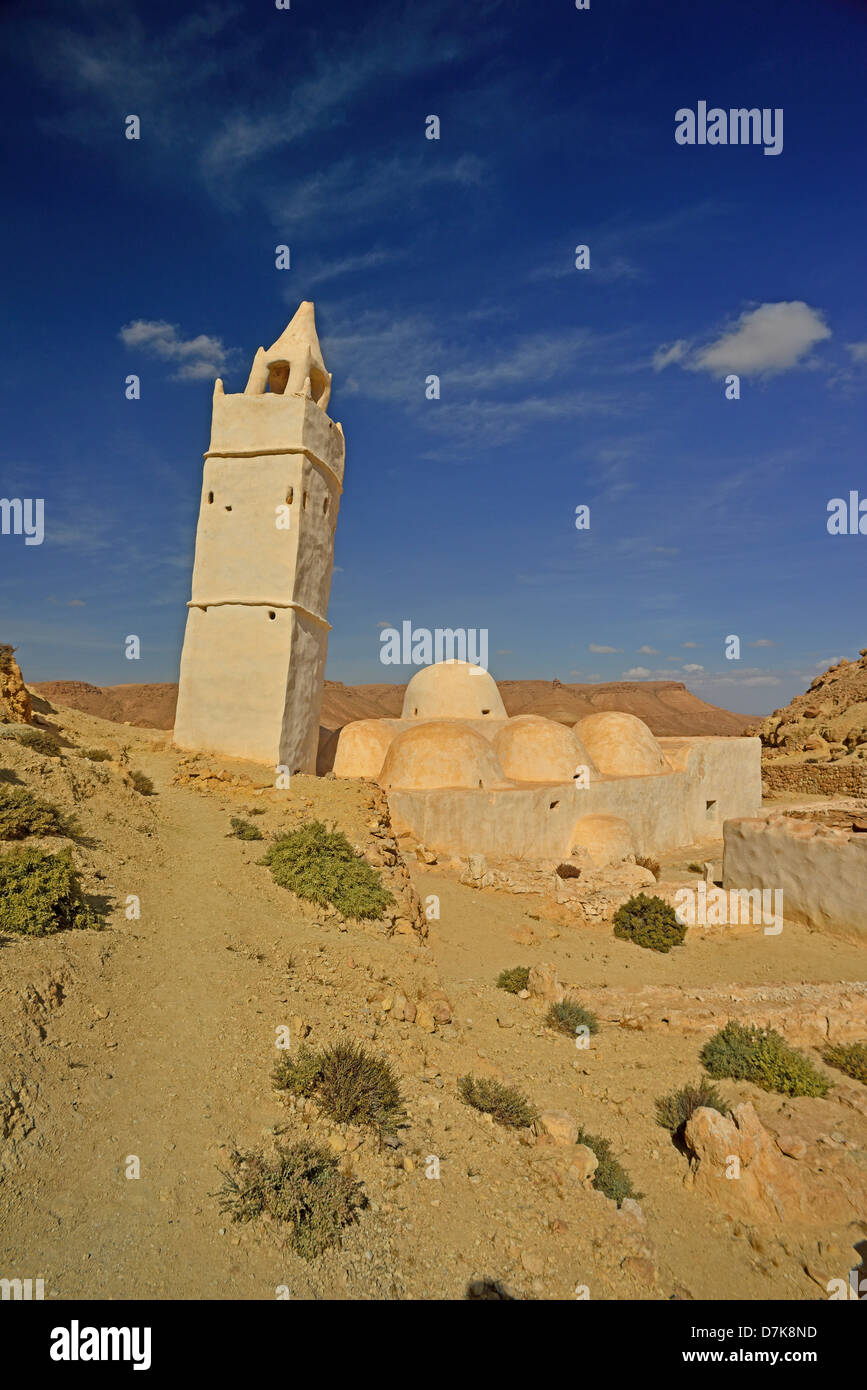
[736, 1162]
[15, 707]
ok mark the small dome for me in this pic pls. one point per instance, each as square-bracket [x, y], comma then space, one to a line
[533, 749]
[361, 748]
[453, 690]
[621, 745]
[440, 754]
[607, 839]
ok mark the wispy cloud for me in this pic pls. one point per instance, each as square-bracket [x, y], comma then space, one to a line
[200, 358]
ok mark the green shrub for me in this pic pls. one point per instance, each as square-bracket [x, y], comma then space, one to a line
[850, 1058]
[349, 1084]
[505, 1103]
[610, 1176]
[760, 1055]
[302, 1188]
[23, 814]
[514, 980]
[40, 893]
[673, 1111]
[142, 783]
[568, 1016]
[320, 865]
[243, 830]
[37, 739]
[96, 755]
[649, 922]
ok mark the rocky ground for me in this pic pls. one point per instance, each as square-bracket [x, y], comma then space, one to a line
[155, 1038]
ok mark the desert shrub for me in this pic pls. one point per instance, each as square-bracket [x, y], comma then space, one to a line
[350, 1085]
[40, 893]
[514, 980]
[23, 814]
[568, 1016]
[696, 868]
[610, 1176]
[850, 1058]
[320, 865]
[649, 922]
[37, 739]
[96, 755]
[760, 1055]
[142, 783]
[647, 863]
[505, 1103]
[243, 830]
[673, 1110]
[302, 1188]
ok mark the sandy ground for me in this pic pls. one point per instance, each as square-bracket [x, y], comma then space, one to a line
[155, 1038]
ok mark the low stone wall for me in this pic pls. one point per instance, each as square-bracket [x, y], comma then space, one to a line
[817, 779]
[822, 871]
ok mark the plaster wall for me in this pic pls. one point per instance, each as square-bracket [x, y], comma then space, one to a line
[822, 871]
[663, 811]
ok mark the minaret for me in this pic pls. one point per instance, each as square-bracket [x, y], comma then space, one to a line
[253, 662]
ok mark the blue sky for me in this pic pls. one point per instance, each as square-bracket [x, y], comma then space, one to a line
[453, 257]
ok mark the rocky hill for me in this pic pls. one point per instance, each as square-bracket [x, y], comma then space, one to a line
[818, 742]
[666, 706]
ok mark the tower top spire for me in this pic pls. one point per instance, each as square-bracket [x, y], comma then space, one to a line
[293, 365]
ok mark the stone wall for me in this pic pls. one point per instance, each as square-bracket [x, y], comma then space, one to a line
[815, 779]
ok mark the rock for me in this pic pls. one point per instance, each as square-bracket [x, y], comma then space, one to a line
[425, 856]
[424, 1018]
[736, 1162]
[629, 1207]
[15, 707]
[792, 1145]
[533, 1264]
[524, 936]
[557, 1126]
[477, 866]
[543, 983]
[640, 1268]
[584, 1163]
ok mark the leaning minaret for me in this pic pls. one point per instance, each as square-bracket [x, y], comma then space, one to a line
[253, 661]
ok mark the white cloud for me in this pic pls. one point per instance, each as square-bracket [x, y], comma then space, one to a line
[648, 651]
[199, 358]
[692, 667]
[636, 673]
[664, 356]
[857, 351]
[764, 341]
[689, 644]
[762, 642]
[604, 651]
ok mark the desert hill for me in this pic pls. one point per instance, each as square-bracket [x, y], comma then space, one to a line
[666, 706]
